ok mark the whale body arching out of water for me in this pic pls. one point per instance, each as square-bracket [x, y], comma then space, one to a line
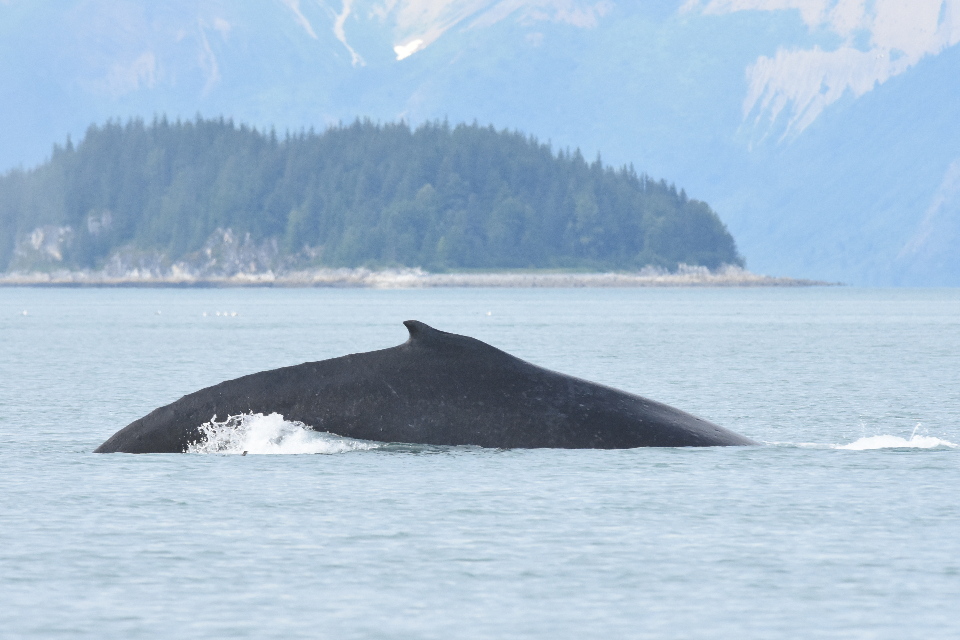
[436, 388]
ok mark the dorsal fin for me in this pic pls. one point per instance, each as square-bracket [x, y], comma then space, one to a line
[419, 330]
[424, 336]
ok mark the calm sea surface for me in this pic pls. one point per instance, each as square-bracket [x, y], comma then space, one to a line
[845, 524]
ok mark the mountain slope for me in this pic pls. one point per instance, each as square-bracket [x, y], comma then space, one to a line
[824, 132]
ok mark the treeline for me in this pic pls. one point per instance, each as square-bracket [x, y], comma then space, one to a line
[365, 194]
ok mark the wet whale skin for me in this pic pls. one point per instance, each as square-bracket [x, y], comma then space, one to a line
[437, 388]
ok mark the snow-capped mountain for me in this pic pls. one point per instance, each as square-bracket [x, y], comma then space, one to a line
[826, 133]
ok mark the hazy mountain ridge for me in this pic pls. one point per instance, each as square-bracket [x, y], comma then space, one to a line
[676, 88]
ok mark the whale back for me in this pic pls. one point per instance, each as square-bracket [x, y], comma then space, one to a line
[436, 388]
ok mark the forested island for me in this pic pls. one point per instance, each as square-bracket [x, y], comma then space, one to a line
[211, 195]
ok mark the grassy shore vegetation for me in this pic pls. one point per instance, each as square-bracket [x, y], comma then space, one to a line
[365, 194]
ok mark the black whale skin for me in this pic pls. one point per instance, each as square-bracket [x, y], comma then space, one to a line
[437, 388]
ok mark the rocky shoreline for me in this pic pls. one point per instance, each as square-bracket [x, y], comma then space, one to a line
[685, 276]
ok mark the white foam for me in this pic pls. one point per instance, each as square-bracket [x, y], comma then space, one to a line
[896, 442]
[255, 433]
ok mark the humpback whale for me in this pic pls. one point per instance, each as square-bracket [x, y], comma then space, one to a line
[436, 388]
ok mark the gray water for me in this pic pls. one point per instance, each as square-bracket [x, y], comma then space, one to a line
[845, 524]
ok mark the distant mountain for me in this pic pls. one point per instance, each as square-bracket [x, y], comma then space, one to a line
[223, 199]
[826, 133]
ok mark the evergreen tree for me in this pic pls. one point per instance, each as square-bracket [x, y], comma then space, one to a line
[362, 194]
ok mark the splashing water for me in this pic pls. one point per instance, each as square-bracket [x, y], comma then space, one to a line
[868, 443]
[255, 433]
[896, 442]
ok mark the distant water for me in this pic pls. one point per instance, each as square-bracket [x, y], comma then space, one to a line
[845, 524]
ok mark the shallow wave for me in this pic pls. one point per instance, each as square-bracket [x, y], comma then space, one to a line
[255, 433]
[896, 442]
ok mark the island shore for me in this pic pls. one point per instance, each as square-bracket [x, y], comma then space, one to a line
[685, 276]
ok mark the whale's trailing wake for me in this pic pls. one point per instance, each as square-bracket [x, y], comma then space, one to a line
[882, 441]
[896, 442]
[256, 433]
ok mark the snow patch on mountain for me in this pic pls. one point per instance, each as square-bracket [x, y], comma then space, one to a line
[878, 41]
[419, 23]
[294, 6]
